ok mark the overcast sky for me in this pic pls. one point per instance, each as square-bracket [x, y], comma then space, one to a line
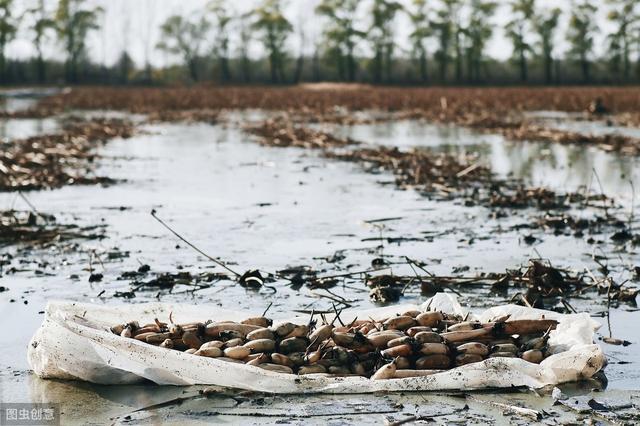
[134, 24]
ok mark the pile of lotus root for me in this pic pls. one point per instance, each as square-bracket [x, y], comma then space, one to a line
[408, 345]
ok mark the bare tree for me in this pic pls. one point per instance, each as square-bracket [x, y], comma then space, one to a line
[447, 29]
[8, 29]
[150, 21]
[624, 15]
[341, 35]
[184, 38]
[125, 63]
[478, 32]
[582, 28]
[546, 23]
[381, 34]
[223, 20]
[43, 23]
[275, 28]
[302, 36]
[420, 33]
[74, 23]
[522, 12]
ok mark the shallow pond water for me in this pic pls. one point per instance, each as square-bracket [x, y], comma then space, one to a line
[562, 167]
[581, 123]
[268, 208]
[25, 128]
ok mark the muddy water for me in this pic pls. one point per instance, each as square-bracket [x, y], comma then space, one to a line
[267, 208]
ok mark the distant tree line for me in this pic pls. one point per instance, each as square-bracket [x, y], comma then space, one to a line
[447, 39]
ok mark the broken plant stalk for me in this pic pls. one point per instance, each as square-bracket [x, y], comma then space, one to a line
[216, 261]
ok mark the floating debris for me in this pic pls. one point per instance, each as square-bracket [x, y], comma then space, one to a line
[52, 161]
[455, 177]
[36, 229]
[282, 132]
[540, 280]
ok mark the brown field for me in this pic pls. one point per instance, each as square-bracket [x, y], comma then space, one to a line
[430, 101]
[497, 110]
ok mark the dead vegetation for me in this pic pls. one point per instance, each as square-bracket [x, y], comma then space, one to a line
[609, 142]
[445, 104]
[186, 116]
[52, 161]
[282, 132]
[429, 171]
[36, 229]
[539, 285]
[497, 110]
[453, 177]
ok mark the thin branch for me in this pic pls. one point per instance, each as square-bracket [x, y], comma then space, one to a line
[216, 261]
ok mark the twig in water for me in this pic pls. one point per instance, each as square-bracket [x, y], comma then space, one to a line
[468, 170]
[267, 310]
[99, 260]
[523, 298]
[633, 201]
[413, 262]
[337, 315]
[216, 261]
[353, 322]
[333, 298]
[31, 206]
[604, 197]
[568, 306]
[349, 274]
[408, 284]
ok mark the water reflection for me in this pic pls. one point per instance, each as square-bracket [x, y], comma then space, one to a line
[406, 133]
[25, 128]
[579, 123]
[564, 167]
[12, 100]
